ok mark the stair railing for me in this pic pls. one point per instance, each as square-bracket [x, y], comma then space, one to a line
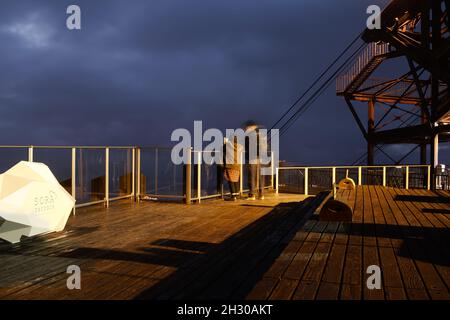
[371, 52]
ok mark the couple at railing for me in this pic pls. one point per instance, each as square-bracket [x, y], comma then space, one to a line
[234, 160]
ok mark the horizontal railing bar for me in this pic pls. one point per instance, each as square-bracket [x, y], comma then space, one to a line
[121, 197]
[356, 167]
[86, 204]
[209, 196]
[162, 196]
[68, 147]
[154, 147]
[219, 194]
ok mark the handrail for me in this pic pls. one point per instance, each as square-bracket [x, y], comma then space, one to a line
[332, 175]
[74, 169]
[65, 147]
[356, 167]
[137, 170]
[372, 51]
[136, 165]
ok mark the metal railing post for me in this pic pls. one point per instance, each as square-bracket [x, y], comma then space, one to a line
[272, 170]
[359, 176]
[30, 154]
[73, 182]
[407, 178]
[241, 174]
[133, 174]
[188, 181]
[138, 171]
[333, 176]
[199, 176]
[156, 170]
[384, 176]
[107, 177]
[306, 181]
[277, 181]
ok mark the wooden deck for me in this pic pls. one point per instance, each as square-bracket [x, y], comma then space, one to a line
[270, 249]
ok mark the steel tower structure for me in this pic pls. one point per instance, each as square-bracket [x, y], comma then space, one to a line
[414, 107]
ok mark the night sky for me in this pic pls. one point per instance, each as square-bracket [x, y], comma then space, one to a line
[140, 69]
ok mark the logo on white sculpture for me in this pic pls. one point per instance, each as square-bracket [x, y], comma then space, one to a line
[44, 203]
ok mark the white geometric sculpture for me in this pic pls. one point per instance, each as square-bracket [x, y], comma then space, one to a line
[32, 202]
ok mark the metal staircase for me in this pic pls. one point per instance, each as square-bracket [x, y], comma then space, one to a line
[372, 56]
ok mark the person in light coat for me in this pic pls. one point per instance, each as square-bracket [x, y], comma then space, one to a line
[232, 165]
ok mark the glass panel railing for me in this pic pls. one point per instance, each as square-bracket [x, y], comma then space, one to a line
[210, 175]
[90, 175]
[372, 176]
[319, 180]
[211, 179]
[120, 172]
[194, 175]
[396, 177]
[351, 172]
[59, 161]
[267, 178]
[291, 181]
[160, 177]
[443, 180]
[418, 177]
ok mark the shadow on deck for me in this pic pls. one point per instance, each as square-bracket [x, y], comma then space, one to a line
[229, 269]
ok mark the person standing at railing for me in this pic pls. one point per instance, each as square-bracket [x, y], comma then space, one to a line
[232, 162]
[255, 145]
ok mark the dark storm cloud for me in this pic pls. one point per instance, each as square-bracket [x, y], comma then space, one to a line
[139, 69]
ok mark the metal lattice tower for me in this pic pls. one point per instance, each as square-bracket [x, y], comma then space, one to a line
[413, 108]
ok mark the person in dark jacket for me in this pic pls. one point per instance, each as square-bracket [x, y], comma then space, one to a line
[255, 179]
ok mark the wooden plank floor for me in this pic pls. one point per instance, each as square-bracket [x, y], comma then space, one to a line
[404, 232]
[128, 248]
[270, 249]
